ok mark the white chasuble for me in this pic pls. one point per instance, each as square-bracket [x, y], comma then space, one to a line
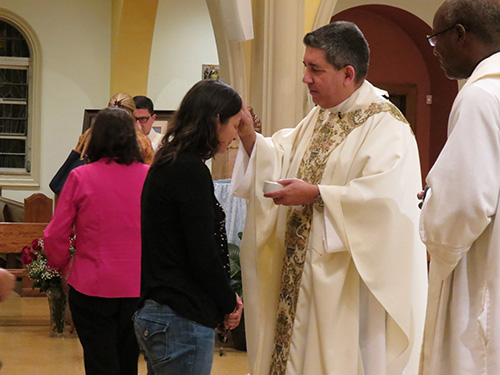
[459, 227]
[360, 247]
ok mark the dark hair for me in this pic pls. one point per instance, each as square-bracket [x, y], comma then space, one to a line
[113, 137]
[344, 44]
[194, 126]
[143, 102]
[481, 17]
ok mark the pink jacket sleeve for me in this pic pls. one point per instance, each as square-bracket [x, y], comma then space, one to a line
[56, 235]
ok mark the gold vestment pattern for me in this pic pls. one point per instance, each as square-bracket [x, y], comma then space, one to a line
[330, 130]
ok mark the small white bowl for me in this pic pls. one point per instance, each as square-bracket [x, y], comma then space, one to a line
[270, 186]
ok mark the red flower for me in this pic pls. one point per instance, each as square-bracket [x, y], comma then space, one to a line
[28, 256]
[36, 245]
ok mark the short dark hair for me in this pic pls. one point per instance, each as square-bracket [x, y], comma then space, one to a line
[480, 17]
[344, 44]
[194, 125]
[143, 102]
[113, 137]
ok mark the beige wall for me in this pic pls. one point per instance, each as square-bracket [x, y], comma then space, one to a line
[132, 26]
[310, 10]
[183, 40]
[78, 41]
[74, 40]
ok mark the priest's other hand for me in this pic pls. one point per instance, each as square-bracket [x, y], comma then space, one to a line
[295, 193]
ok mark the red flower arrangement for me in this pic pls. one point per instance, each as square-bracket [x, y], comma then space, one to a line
[37, 268]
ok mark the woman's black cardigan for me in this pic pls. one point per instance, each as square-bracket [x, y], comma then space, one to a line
[184, 246]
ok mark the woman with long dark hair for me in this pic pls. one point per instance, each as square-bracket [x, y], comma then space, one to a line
[102, 201]
[185, 291]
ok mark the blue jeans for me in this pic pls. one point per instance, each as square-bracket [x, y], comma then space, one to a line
[172, 344]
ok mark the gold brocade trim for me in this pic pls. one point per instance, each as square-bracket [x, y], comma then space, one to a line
[330, 131]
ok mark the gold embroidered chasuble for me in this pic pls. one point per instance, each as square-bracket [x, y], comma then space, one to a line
[303, 264]
[330, 131]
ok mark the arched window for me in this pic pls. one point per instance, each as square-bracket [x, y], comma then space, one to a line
[14, 89]
[19, 118]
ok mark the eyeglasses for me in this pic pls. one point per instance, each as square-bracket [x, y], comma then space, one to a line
[142, 120]
[432, 38]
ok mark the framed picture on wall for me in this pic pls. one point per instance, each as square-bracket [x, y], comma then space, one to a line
[210, 71]
[160, 125]
[89, 116]
[161, 122]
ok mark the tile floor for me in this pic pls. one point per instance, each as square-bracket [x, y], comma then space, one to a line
[27, 349]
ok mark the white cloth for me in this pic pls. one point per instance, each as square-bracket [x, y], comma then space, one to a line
[367, 233]
[459, 227]
[234, 208]
[155, 139]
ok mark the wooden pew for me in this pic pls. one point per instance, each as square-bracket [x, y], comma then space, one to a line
[37, 212]
[14, 236]
[11, 210]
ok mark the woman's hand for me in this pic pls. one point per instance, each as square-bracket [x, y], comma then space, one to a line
[7, 282]
[232, 320]
[83, 143]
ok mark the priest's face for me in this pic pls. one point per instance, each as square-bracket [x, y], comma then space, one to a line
[324, 81]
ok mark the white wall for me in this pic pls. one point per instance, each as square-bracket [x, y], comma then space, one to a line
[75, 40]
[183, 41]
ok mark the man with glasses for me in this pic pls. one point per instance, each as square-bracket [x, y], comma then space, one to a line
[458, 221]
[145, 118]
[334, 272]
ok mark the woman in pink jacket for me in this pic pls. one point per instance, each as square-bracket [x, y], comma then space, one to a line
[102, 201]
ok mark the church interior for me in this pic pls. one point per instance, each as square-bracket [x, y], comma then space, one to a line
[79, 53]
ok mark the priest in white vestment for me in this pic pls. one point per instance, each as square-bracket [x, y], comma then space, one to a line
[458, 223]
[334, 272]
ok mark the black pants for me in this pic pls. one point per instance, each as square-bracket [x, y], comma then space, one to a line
[106, 332]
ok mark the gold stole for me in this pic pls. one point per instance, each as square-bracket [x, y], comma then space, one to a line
[330, 131]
